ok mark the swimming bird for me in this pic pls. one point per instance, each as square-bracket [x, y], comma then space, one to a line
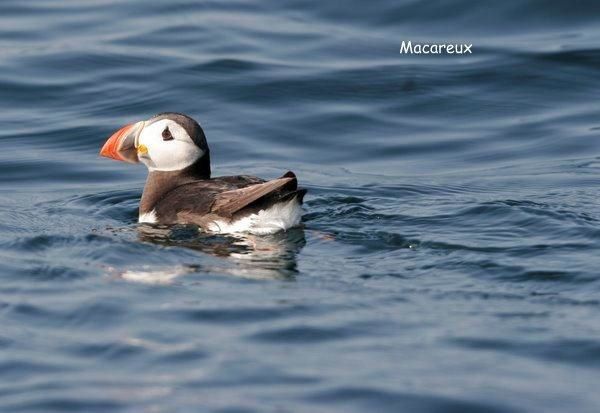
[180, 190]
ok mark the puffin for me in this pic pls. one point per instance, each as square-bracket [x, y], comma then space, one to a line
[179, 188]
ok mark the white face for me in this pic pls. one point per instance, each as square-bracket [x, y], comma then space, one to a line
[165, 146]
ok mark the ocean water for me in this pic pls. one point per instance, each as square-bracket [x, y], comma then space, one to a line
[449, 256]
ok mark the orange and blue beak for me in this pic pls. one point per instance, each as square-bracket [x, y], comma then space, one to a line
[123, 144]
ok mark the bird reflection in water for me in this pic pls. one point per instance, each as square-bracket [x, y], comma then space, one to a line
[243, 255]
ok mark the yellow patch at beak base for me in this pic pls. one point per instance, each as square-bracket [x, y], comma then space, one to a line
[142, 150]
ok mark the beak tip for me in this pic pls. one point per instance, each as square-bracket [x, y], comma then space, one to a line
[111, 149]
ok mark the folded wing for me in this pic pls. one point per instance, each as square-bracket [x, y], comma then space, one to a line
[229, 202]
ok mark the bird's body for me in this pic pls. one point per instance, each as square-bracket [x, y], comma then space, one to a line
[180, 190]
[224, 204]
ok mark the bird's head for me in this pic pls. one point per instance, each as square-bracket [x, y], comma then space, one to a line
[165, 142]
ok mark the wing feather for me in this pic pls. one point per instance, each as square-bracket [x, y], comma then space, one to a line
[229, 202]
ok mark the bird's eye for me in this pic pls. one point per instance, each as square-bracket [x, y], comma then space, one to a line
[166, 135]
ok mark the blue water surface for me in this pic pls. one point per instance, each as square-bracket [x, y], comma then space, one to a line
[449, 259]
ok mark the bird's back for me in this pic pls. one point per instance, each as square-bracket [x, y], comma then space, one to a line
[224, 201]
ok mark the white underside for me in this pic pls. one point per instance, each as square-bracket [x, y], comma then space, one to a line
[278, 217]
[148, 218]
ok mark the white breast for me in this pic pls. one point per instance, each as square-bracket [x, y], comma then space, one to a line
[278, 217]
[148, 217]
